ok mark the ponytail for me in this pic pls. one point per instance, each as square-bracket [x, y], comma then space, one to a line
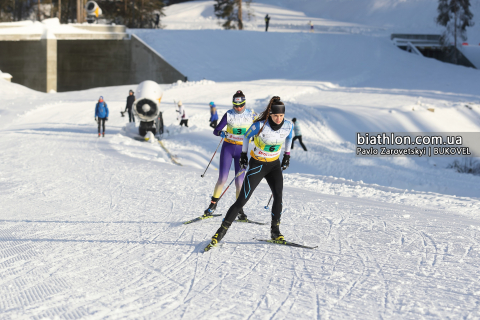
[266, 113]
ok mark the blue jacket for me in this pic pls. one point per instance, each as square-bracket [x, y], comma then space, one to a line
[213, 115]
[101, 110]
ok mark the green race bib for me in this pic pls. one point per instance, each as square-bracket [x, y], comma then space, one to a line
[239, 131]
[271, 148]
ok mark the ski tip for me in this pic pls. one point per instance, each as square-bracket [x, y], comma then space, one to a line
[250, 221]
[286, 243]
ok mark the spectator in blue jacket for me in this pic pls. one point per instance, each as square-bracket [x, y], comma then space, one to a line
[101, 113]
[213, 115]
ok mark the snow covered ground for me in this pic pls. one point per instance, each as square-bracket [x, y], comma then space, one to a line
[92, 227]
[358, 16]
[200, 15]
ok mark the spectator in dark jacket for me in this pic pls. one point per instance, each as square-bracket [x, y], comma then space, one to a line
[157, 21]
[130, 101]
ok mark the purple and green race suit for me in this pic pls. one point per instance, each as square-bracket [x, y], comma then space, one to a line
[237, 124]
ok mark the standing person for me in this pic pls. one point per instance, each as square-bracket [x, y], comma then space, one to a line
[298, 134]
[267, 21]
[311, 26]
[160, 123]
[130, 101]
[237, 121]
[213, 115]
[269, 131]
[101, 112]
[157, 21]
[182, 115]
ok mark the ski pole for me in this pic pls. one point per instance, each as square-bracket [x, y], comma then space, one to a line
[266, 207]
[238, 175]
[203, 175]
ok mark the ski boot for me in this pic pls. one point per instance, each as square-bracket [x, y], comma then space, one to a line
[103, 134]
[99, 134]
[218, 235]
[242, 216]
[275, 233]
[211, 208]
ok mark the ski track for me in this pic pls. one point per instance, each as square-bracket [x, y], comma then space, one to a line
[115, 245]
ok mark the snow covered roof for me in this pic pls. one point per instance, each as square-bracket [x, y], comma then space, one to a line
[48, 28]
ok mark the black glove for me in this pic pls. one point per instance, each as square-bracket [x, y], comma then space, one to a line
[285, 161]
[95, 118]
[243, 160]
[106, 119]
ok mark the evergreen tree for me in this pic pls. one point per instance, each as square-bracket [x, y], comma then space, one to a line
[16, 10]
[231, 11]
[132, 13]
[455, 16]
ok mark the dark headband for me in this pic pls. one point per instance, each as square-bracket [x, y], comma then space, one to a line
[277, 109]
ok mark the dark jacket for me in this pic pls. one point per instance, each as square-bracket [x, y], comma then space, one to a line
[130, 101]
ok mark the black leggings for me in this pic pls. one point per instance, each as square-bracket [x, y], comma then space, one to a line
[184, 122]
[100, 122]
[272, 172]
[299, 140]
[131, 117]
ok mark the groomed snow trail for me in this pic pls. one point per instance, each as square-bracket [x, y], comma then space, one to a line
[89, 228]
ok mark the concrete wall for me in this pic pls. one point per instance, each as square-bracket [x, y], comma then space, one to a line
[26, 61]
[149, 65]
[83, 64]
[472, 53]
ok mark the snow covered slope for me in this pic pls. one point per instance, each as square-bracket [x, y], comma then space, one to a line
[394, 16]
[200, 15]
[388, 16]
[411, 14]
[92, 227]
[345, 59]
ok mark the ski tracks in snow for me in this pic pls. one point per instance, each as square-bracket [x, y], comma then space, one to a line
[88, 232]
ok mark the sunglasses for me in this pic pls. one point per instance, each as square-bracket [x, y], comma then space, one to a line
[239, 107]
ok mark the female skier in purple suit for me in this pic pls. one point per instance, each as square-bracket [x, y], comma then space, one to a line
[237, 120]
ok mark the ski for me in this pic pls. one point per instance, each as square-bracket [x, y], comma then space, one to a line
[201, 218]
[250, 221]
[286, 243]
